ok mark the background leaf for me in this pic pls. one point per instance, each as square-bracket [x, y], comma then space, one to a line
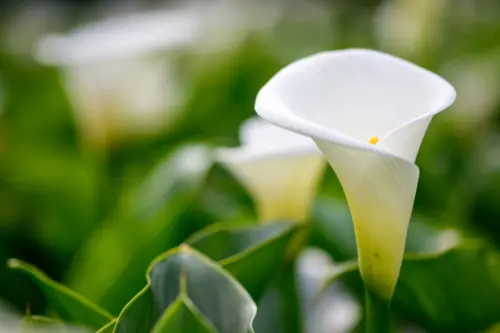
[110, 267]
[454, 291]
[253, 254]
[140, 314]
[446, 284]
[69, 305]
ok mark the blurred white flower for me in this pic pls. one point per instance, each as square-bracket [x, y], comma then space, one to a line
[303, 27]
[409, 27]
[280, 169]
[119, 72]
[477, 83]
[228, 23]
[368, 113]
[9, 320]
[336, 311]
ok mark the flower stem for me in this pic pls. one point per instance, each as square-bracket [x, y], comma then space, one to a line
[377, 313]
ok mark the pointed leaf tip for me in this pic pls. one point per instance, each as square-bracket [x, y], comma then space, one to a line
[13, 263]
[68, 304]
[182, 316]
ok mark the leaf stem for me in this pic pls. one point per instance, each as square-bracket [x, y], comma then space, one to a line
[377, 313]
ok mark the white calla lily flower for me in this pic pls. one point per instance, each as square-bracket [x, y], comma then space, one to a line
[120, 73]
[279, 168]
[368, 112]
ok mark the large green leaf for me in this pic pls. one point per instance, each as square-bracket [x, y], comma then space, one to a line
[457, 290]
[253, 254]
[69, 305]
[260, 257]
[431, 292]
[110, 267]
[447, 284]
[216, 298]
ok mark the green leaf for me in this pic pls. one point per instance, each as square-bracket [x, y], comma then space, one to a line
[446, 284]
[457, 290]
[182, 316]
[259, 256]
[69, 305]
[140, 314]
[253, 254]
[183, 272]
[432, 293]
[149, 221]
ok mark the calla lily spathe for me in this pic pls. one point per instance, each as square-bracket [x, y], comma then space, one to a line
[279, 168]
[120, 72]
[368, 112]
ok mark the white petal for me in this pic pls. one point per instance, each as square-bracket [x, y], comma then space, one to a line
[279, 168]
[108, 101]
[283, 187]
[380, 191]
[352, 95]
[260, 139]
[119, 37]
[405, 141]
[341, 99]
